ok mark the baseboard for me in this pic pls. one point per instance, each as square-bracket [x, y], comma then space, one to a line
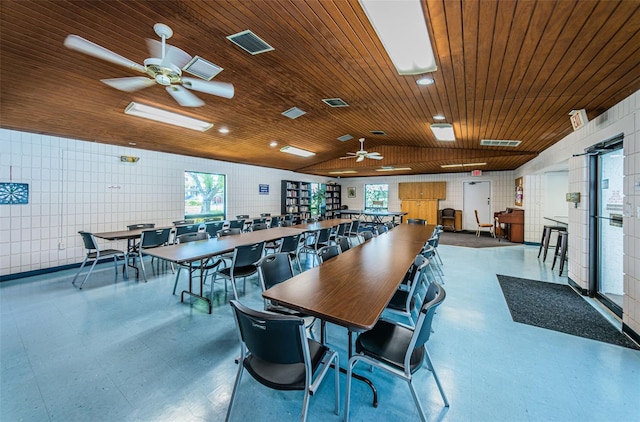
[42, 271]
[632, 334]
[577, 288]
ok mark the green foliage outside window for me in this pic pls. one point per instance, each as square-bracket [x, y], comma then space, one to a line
[204, 195]
[376, 196]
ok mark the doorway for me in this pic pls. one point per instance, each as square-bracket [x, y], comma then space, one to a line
[607, 242]
[476, 196]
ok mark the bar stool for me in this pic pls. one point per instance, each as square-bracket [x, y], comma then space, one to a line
[561, 250]
[546, 237]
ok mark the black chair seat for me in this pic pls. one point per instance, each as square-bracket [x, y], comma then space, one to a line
[388, 342]
[239, 271]
[399, 300]
[104, 253]
[284, 376]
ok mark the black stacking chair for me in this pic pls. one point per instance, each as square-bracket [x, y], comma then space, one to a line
[236, 224]
[259, 226]
[340, 230]
[316, 240]
[448, 218]
[188, 228]
[229, 232]
[243, 265]
[94, 253]
[343, 243]
[400, 350]
[183, 222]
[291, 246]
[406, 299]
[141, 226]
[275, 221]
[150, 239]
[354, 231]
[325, 253]
[213, 228]
[276, 352]
[416, 221]
[208, 265]
[366, 235]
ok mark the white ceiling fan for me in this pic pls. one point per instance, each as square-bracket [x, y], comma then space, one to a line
[164, 67]
[362, 154]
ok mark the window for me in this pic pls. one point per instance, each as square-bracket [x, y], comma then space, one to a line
[204, 195]
[376, 197]
[318, 195]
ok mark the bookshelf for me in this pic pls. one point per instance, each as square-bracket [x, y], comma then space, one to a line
[332, 200]
[296, 199]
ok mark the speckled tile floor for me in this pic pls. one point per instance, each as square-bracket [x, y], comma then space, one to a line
[131, 351]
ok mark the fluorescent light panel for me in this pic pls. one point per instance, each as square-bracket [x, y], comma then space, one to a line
[402, 29]
[393, 168]
[297, 151]
[443, 132]
[164, 116]
[463, 165]
[342, 172]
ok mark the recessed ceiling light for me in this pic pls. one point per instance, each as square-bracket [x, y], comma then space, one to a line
[223, 130]
[443, 132]
[297, 151]
[133, 144]
[424, 81]
[273, 144]
[439, 117]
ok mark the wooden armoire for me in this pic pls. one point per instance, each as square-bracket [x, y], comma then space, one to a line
[420, 199]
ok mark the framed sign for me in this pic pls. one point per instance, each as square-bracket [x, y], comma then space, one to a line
[519, 192]
[14, 193]
[351, 192]
[263, 189]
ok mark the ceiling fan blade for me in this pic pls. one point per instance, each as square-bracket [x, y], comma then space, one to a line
[131, 84]
[360, 158]
[77, 43]
[221, 89]
[375, 157]
[184, 97]
[173, 55]
[344, 158]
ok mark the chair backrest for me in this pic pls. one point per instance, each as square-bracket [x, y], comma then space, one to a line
[389, 225]
[448, 213]
[416, 221]
[274, 269]
[213, 228]
[477, 218]
[343, 243]
[275, 221]
[433, 298]
[89, 241]
[209, 219]
[154, 238]
[189, 228]
[366, 234]
[141, 226]
[323, 235]
[414, 275]
[286, 223]
[265, 214]
[290, 243]
[327, 252]
[259, 220]
[229, 232]
[259, 226]
[242, 216]
[271, 337]
[183, 222]
[192, 237]
[236, 224]
[246, 255]
[342, 229]
[355, 226]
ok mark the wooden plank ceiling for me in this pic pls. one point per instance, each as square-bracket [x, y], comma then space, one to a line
[507, 70]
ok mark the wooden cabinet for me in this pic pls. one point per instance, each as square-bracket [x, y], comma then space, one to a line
[424, 209]
[422, 190]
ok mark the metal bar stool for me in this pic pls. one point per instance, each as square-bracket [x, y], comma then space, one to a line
[546, 237]
[561, 250]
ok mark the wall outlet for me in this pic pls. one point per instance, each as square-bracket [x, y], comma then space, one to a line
[60, 246]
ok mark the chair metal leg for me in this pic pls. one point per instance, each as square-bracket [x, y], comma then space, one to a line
[86, 258]
[235, 390]
[427, 358]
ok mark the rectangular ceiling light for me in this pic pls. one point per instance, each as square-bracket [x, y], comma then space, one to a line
[297, 151]
[463, 165]
[393, 168]
[443, 132]
[343, 172]
[402, 29]
[164, 116]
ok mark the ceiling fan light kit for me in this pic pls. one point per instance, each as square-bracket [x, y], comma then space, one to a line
[362, 154]
[164, 67]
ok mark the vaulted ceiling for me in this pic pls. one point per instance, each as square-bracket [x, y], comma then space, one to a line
[507, 70]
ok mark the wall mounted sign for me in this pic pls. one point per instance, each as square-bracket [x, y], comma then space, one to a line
[351, 192]
[14, 193]
[263, 189]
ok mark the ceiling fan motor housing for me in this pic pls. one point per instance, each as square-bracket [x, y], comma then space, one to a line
[163, 74]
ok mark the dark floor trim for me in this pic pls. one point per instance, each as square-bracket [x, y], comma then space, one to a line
[576, 287]
[632, 334]
[25, 274]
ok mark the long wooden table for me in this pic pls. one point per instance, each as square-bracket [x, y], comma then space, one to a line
[374, 216]
[321, 224]
[354, 288]
[195, 254]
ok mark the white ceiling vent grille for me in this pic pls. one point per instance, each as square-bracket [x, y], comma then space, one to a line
[250, 42]
[345, 138]
[499, 143]
[202, 68]
[294, 113]
[335, 102]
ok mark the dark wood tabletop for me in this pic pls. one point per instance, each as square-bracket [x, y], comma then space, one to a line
[202, 249]
[354, 288]
[321, 224]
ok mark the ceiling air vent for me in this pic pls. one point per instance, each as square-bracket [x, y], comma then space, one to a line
[499, 143]
[250, 42]
[335, 102]
[345, 138]
[202, 68]
[377, 132]
[294, 113]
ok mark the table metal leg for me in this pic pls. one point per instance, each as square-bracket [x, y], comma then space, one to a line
[190, 291]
